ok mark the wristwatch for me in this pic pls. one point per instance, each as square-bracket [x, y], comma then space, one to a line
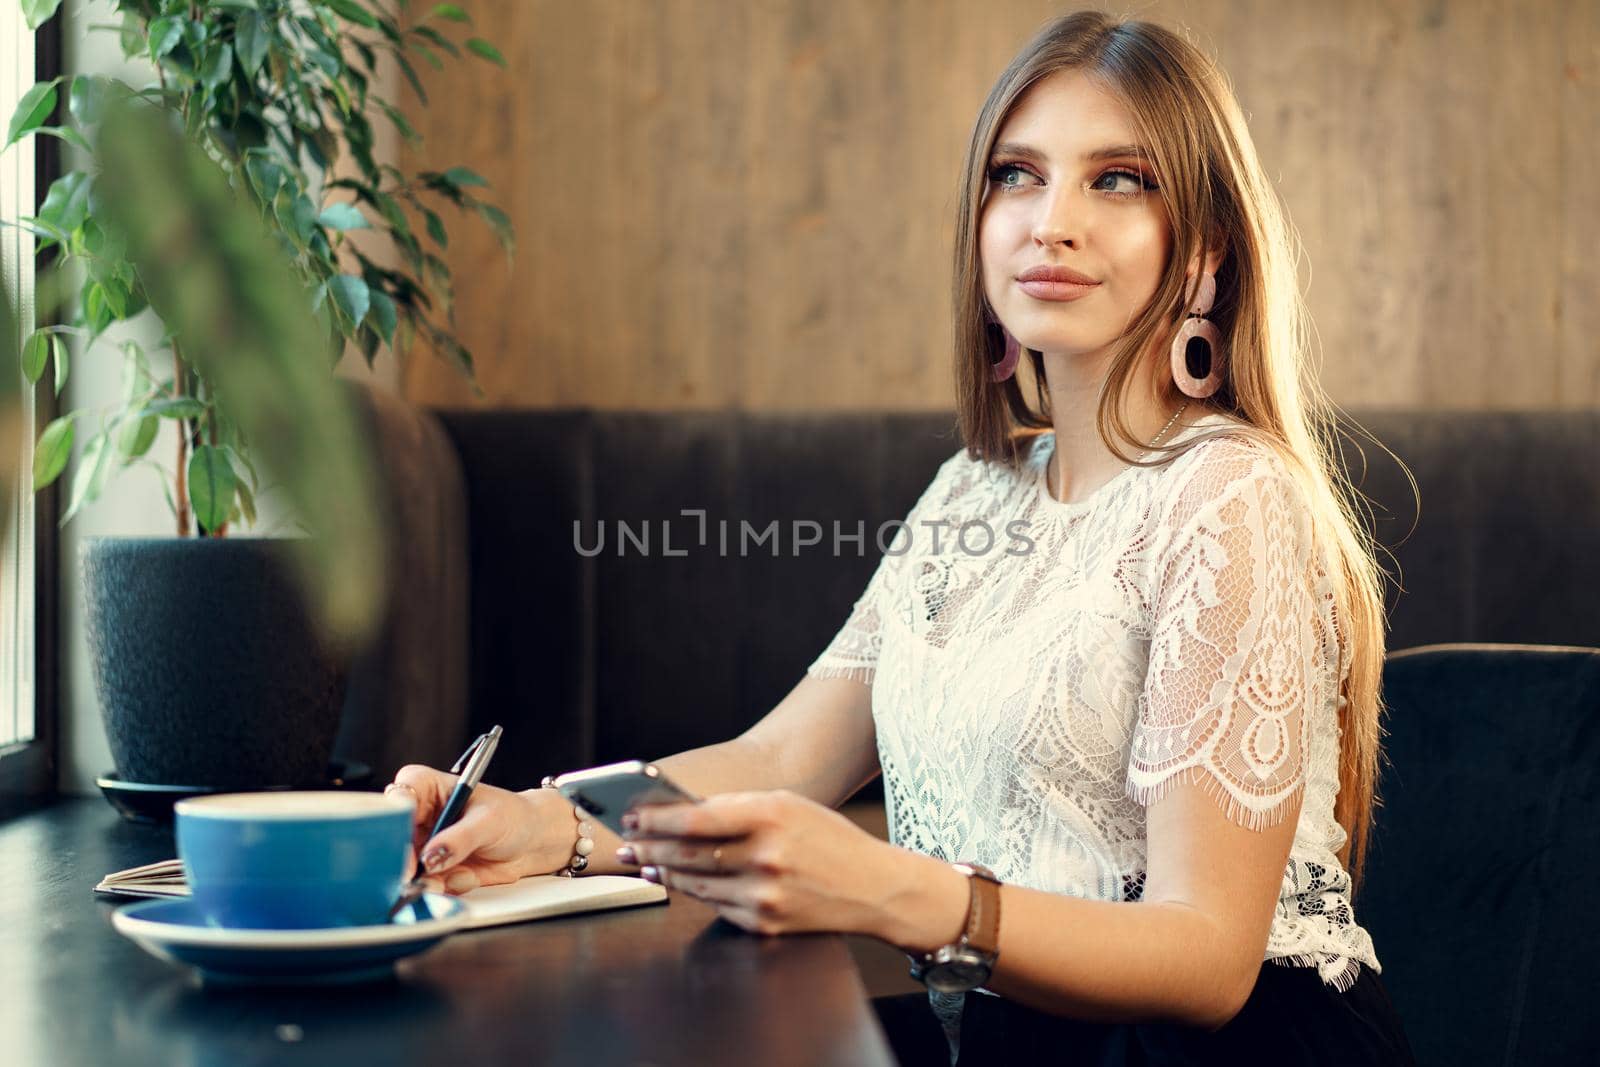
[967, 963]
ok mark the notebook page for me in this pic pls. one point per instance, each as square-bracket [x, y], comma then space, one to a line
[545, 895]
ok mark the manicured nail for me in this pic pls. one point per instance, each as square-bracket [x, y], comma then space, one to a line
[434, 858]
[630, 820]
[626, 854]
[650, 874]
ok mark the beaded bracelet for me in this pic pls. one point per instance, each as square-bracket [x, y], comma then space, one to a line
[585, 843]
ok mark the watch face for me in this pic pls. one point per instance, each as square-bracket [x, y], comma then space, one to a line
[958, 975]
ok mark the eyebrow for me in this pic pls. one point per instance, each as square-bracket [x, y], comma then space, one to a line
[1033, 155]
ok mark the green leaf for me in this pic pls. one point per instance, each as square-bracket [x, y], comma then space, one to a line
[93, 466]
[116, 298]
[250, 42]
[211, 486]
[436, 228]
[351, 295]
[365, 52]
[368, 341]
[323, 60]
[50, 455]
[35, 351]
[427, 53]
[165, 482]
[83, 99]
[247, 502]
[38, 12]
[136, 436]
[500, 223]
[479, 47]
[165, 33]
[132, 35]
[58, 349]
[353, 12]
[296, 214]
[389, 208]
[343, 217]
[439, 39]
[46, 233]
[459, 176]
[411, 76]
[66, 205]
[449, 11]
[96, 312]
[218, 67]
[135, 373]
[177, 407]
[406, 129]
[265, 175]
[35, 107]
[67, 134]
[456, 352]
[237, 458]
[383, 314]
[438, 272]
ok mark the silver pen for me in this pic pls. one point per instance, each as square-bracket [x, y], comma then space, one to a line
[473, 762]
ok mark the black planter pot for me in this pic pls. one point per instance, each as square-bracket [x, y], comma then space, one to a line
[208, 670]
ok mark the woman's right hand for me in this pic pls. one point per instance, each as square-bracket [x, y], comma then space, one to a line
[501, 837]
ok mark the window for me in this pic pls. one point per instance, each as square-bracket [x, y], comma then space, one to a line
[27, 607]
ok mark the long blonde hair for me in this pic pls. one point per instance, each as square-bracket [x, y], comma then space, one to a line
[1217, 196]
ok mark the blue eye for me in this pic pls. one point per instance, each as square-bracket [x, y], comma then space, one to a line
[996, 173]
[1138, 180]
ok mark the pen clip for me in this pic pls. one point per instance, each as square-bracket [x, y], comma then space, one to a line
[471, 751]
[475, 760]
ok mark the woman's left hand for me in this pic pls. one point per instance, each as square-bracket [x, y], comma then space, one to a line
[770, 862]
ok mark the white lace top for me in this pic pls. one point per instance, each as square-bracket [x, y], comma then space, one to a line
[1032, 698]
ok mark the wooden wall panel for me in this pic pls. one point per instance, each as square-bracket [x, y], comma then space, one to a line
[725, 204]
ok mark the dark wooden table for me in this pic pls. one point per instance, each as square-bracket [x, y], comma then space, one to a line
[666, 984]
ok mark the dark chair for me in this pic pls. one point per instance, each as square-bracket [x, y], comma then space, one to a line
[1478, 892]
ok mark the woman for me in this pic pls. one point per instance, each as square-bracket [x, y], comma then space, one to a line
[1157, 725]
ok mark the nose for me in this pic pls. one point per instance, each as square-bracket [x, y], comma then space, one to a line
[1058, 222]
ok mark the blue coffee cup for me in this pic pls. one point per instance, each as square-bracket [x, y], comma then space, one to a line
[294, 861]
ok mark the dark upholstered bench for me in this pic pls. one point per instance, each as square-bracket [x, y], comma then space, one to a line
[1479, 886]
[498, 617]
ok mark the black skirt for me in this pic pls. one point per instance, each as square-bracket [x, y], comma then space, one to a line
[1292, 1018]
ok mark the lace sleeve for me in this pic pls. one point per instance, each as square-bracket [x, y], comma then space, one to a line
[1239, 651]
[853, 653]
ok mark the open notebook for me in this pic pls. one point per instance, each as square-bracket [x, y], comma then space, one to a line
[539, 897]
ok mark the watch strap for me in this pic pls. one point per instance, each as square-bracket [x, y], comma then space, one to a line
[983, 909]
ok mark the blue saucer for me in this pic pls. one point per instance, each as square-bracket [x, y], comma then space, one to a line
[173, 930]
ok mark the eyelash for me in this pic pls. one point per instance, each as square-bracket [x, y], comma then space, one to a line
[1147, 186]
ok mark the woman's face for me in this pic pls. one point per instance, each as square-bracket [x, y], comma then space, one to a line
[1064, 191]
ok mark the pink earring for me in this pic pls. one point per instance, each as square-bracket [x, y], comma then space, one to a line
[1198, 361]
[1007, 366]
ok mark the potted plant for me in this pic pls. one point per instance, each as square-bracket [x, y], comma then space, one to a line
[224, 197]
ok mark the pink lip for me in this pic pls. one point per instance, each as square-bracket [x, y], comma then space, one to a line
[1043, 290]
[1046, 273]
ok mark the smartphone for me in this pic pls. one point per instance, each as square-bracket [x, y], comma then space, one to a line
[606, 792]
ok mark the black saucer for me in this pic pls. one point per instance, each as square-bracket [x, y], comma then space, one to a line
[143, 802]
